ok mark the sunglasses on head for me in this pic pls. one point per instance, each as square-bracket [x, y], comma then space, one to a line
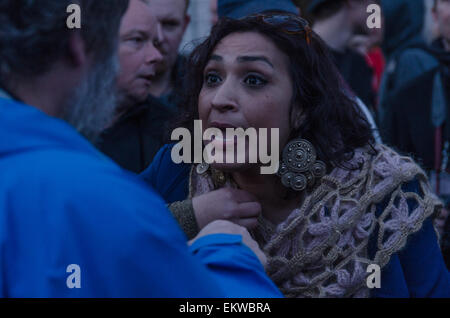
[288, 23]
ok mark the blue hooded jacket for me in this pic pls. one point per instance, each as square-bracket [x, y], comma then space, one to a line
[63, 203]
[404, 21]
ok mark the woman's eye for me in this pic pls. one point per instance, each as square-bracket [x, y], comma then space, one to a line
[212, 79]
[254, 80]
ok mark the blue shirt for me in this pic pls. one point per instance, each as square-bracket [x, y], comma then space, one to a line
[63, 203]
[418, 270]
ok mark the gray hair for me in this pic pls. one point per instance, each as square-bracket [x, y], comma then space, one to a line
[92, 106]
[34, 33]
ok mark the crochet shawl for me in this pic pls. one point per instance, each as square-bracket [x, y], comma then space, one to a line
[321, 249]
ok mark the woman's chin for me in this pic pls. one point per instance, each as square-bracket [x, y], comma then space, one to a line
[232, 167]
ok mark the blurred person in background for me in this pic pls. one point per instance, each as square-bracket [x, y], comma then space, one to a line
[173, 19]
[420, 123]
[141, 124]
[337, 22]
[370, 47]
[404, 49]
[214, 14]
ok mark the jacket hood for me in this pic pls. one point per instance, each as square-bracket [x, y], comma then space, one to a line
[404, 21]
[26, 128]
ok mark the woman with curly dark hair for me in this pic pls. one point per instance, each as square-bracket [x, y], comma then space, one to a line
[342, 217]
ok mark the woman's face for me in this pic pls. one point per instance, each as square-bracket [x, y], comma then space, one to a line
[247, 84]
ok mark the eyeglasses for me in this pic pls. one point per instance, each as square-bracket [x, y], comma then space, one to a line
[288, 23]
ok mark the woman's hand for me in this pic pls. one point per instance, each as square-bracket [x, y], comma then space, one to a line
[237, 206]
[226, 227]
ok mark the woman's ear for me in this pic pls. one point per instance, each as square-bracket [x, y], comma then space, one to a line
[297, 117]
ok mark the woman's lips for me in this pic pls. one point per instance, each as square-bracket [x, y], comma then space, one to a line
[228, 145]
[223, 141]
[220, 139]
[226, 138]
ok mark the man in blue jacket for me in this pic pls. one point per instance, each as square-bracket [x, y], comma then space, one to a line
[72, 223]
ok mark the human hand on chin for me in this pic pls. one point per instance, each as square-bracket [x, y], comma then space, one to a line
[237, 206]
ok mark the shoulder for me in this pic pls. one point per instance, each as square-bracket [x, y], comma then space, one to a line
[88, 211]
[399, 187]
[412, 63]
[158, 110]
[405, 199]
[73, 176]
[60, 188]
[396, 170]
[408, 249]
[414, 90]
[168, 179]
[385, 162]
[418, 57]
[161, 165]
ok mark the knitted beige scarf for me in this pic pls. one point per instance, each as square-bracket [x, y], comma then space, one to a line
[321, 249]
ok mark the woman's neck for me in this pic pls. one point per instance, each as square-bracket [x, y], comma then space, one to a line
[274, 198]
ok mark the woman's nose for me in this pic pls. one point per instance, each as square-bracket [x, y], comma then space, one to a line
[225, 98]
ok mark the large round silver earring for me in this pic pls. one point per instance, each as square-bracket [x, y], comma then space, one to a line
[300, 168]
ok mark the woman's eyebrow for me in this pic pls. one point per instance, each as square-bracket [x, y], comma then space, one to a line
[216, 58]
[243, 59]
[264, 59]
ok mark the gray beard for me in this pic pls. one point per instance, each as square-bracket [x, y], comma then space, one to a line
[92, 106]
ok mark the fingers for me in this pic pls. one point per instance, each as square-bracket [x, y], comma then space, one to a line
[249, 210]
[253, 245]
[221, 226]
[248, 223]
[241, 196]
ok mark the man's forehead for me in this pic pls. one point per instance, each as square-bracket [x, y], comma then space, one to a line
[168, 8]
[139, 16]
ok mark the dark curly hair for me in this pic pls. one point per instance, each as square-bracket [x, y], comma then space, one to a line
[33, 33]
[331, 119]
